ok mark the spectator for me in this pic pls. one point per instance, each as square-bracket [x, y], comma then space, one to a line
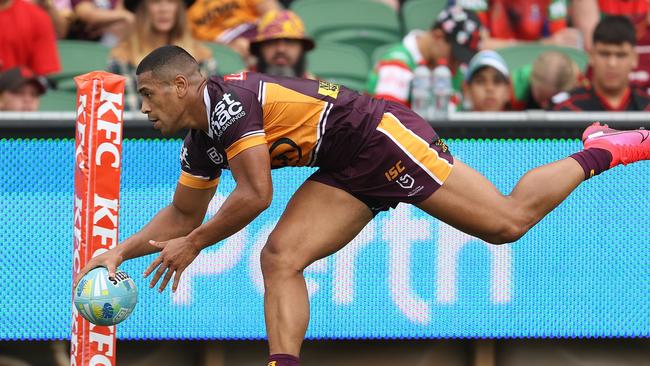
[454, 37]
[20, 89]
[638, 11]
[27, 38]
[536, 85]
[158, 23]
[487, 83]
[60, 12]
[101, 20]
[612, 57]
[281, 45]
[509, 22]
[231, 22]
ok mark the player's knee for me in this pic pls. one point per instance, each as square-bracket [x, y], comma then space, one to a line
[276, 259]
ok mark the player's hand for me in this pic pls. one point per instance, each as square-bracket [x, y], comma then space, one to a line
[176, 255]
[111, 260]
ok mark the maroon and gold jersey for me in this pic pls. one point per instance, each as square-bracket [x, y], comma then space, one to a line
[302, 122]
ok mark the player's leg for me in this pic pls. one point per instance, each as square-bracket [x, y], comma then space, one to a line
[469, 202]
[318, 221]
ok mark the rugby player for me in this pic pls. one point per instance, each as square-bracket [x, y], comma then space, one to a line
[372, 154]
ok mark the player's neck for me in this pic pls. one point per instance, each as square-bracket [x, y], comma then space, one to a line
[198, 117]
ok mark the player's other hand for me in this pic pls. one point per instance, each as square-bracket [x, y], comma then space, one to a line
[110, 259]
[176, 255]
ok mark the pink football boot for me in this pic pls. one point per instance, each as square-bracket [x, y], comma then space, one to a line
[626, 146]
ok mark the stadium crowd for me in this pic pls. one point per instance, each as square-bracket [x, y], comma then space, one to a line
[578, 54]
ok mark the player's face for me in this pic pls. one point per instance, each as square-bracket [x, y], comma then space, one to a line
[160, 103]
[23, 99]
[281, 52]
[612, 63]
[162, 14]
[488, 91]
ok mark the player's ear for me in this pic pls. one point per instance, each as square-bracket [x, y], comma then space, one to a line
[181, 84]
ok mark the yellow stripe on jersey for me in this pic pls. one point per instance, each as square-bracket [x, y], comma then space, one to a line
[414, 146]
[245, 143]
[192, 181]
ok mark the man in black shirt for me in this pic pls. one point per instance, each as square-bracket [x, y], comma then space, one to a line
[612, 58]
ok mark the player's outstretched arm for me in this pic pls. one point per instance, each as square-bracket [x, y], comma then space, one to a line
[184, 214]
[252, 195]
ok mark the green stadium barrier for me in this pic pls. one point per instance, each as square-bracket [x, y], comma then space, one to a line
[339, 63]
[228, 61]
[366, 24]
[420, 14]
[78, 57]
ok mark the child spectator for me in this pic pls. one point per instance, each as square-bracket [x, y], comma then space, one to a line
[487, 83]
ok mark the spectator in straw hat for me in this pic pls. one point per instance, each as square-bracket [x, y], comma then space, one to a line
[281, 45]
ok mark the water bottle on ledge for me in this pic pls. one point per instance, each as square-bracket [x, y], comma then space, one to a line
[421, 97]
[442, 90]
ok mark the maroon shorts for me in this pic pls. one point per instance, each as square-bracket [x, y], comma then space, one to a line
[403, 161]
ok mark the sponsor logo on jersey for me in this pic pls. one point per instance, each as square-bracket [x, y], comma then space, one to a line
[415, 191]
[184, 162]
[394, 171]
[285, 152]
[328, 89]
[441, 144]
[237, 76]
[406, 181]
[215, 156]
[226, 112]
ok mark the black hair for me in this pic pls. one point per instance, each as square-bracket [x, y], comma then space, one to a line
[615, 29]
[164, 56]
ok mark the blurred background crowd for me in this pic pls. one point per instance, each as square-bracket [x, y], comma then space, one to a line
[433, 55]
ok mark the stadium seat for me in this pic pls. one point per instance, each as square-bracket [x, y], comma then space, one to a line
[58, 101]
[228, 61]
[521, 55]
[339, 63]
[380, 51]
[78, 57]
[420, 14]
[366, 24]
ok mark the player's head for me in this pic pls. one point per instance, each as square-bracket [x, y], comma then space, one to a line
[168, 79]
[487, 83]
[553, 72]
[612, 56]
[281, 44]
[455, 36]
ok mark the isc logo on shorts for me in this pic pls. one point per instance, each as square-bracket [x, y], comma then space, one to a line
[226, 112]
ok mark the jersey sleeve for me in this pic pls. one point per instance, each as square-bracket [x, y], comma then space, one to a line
[237, 121]
[200, 163]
